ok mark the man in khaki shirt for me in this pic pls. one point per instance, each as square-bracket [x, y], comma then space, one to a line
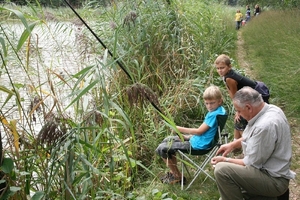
[264, 172]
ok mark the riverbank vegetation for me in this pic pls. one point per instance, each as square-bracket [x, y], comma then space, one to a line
[97, 137]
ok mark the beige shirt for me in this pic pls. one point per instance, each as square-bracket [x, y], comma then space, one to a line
[267, 142]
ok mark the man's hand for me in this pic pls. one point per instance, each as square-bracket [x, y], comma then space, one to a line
[217, 159]
[225, 149]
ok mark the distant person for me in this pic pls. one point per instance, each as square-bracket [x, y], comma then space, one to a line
[264, 172]
[238, 19]
[256, 10]
[234, 82]
[194, 138]
[248, 13]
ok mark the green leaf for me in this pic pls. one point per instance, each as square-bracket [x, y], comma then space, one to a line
[9, 193]
[19, 14]
[5, 89]
[2, 41]
[38, 195]
[25, 35]
[170, 123]
[6, 100]
[7, 165]
[14, 189]
[84, 91]
[18, 85]
[28, 29]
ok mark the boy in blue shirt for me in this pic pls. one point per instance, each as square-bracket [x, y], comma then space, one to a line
[194, 138]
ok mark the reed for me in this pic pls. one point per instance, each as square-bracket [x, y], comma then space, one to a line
[100, 126]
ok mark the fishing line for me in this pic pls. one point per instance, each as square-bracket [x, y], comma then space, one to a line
[118, 62]
[94, 34]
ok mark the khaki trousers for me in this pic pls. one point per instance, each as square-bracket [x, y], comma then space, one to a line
[236, 182]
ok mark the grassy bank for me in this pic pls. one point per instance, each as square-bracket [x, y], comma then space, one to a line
[271, 54]
[109, 141]
[272, 45]
[108, 146]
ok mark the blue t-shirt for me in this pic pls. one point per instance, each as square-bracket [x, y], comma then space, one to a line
[203, 141]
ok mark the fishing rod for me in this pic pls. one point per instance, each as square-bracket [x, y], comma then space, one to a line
[94, 34]
[118, 62]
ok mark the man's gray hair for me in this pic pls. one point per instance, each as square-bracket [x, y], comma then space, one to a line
[247, 95]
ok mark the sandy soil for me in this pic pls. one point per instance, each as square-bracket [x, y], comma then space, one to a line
[295, 127]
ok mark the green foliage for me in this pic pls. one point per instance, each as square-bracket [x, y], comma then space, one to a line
[272, 54]
[7, 165]
[105, 147]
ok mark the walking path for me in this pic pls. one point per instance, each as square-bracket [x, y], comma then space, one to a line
[241, 56]
[244, 64]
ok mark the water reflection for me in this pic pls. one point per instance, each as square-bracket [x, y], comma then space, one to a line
[54, 53]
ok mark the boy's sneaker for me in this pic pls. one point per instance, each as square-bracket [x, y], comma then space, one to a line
[165, 177]
[173, 180]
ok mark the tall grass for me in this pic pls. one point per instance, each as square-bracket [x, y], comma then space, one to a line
[272, 44]
[105, 148]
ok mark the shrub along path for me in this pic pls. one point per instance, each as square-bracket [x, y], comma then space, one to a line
[295, 127]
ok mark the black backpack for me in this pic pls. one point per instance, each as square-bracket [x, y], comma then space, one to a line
[263, 90]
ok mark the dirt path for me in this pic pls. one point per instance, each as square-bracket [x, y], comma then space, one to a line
[241, 57]
[246, 65]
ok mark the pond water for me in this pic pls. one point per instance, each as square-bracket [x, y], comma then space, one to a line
[54, 53]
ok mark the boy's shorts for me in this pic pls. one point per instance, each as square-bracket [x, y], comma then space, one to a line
[170, 145]
[241, 124]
